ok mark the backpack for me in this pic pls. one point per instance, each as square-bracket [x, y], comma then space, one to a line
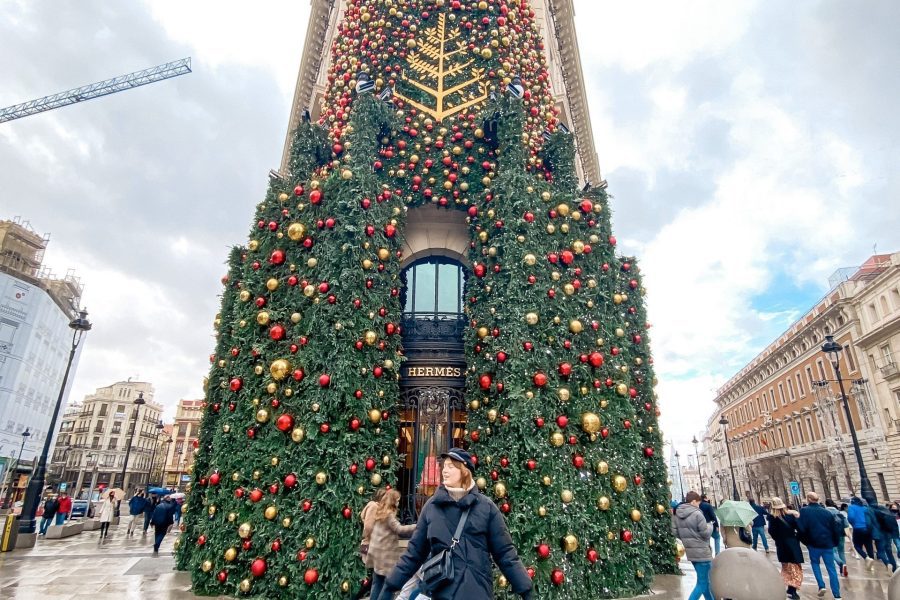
[161, 515]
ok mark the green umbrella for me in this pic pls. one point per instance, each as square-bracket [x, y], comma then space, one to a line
[735, 513]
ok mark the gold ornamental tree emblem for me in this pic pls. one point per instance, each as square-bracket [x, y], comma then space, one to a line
[439, 79]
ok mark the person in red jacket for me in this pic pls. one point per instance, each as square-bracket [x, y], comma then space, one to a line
[65, 507]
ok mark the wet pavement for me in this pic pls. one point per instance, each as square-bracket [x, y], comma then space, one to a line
[123, 567]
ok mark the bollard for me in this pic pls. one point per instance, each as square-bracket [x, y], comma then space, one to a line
[742, 574]
[10, 533]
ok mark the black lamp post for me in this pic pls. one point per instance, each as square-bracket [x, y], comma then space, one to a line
[138, 402]
[12, 470]
[833, 350]
[680, 482]
[699, 471]
[724, 423]
[28, 520]
[159, 428]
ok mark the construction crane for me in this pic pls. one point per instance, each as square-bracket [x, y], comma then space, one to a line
[96, 90]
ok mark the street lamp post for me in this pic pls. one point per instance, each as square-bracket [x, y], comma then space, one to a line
[699, 471]
[138, 402]
[833, 350]
[159, 428]
[680, 482]
[28, 521]
[724, 423]
[9, 488]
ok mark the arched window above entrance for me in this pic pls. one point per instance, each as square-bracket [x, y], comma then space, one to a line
[433, 288]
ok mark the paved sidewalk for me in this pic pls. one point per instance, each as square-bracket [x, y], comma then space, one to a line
[124, 568]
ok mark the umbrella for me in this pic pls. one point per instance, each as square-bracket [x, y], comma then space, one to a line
[159, 490]
[735, 513]
[120, 494]
[177, 496]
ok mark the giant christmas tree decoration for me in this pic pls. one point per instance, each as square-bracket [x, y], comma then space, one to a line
[444, 103]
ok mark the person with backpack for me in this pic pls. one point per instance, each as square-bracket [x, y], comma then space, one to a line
[863, 524]
[152, 502]
[694, 531]
[51, 506]
[839, 556]
[885, 530]
[783, 529]
[819, 530]
[163, 517]
[459, 533]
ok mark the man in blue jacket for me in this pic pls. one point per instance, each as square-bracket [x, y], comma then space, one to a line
[819, 530]
[759, 525]
[136, 507]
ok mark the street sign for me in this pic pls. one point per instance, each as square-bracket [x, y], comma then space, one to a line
[795, 488]
[185, 478]
[63, 486]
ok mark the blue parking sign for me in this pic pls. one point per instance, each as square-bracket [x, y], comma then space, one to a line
[795, 488]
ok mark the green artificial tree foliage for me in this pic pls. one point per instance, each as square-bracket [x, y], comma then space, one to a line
[303, 397]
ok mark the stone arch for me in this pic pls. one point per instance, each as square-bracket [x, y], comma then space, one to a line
[434, 231]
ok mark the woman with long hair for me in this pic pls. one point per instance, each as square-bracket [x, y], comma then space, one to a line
[384, 540]
[783, 529]
[471, 548]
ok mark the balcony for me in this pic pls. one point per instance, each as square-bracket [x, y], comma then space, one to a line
[890, 371]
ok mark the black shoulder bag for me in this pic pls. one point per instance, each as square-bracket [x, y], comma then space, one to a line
[438, 570]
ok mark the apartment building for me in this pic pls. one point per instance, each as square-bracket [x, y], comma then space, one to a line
[185, 432]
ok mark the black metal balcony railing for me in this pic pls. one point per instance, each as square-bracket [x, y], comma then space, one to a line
[433, 327]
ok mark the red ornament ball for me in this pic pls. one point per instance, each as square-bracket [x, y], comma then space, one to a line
[557, 577]
[485, 382]
[201, 540]
[290, 480]
[256, 495]
[592, 556]
[543, 550]
[284, 423]
[627, 536]
[236, 384]
[222, 576]
[214, 479]
[324, 380]
[539, 379]
[258, 567]
[311, 576]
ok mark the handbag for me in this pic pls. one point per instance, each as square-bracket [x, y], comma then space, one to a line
[438, 570]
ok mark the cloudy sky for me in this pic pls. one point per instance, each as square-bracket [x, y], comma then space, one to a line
[752, 149]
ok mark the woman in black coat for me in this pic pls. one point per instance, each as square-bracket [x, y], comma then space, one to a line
[783, 529]
[484, 537]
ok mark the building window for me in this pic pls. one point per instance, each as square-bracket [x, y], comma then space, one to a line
[781, 393]
[884, 305]
[781, 435]
[800, 431]
[873, 312]
[433, 288]
[895, 298]
[822, 375]
[791, 434]
[791, 389]
[772, 396]
[811, 428]
[800, 385]
[848, 351]
[886, 357]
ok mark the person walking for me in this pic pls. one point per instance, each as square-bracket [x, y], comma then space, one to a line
[783, 529]
[759, 525]
[863, 524]
[162, 518]
[710, 514]
[367, 516]
[107, 512]
[895, 511]
[885, 531]
[384, 547]
[839, 556]
[152, 502]
[482, 536]
[51, 506]
[819, 531]
[694, 531]
[136, 507]
[65, 507]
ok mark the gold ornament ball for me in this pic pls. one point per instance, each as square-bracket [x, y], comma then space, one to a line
[272, 284]
[271, 513]
[244, 296]
[346, 174]
[492, 415]
[283, 581]
[262, 318]
[375, 415]
[610, 536]
[557, 439]
[602, 467]
[547, 480]
[383, 254]
[499, 490]
[345, 586]
[262, 415]
[232, 517]
[211, 510]
[245, 585]
[563, 394]
[502, 581]
[252, 245]
[481, 482]
[531, 318]
[271, 388]
[570, 543]
[298, 434]
[542, 511]
[619, 483]
[315, 407]
[286, 522]
[296, 231]
[590, 422]
[679, 549]
[321, 478]
[310, 543]
[566, 496]
[603, 503]
[371, 337]
[206, 566]
[245, 530]
[386, 460]
[375, 479]
[622, 389]
[279, 369]
[226, 428]
[660, 509]
[230, 555]
[636, 515]
[575, 326]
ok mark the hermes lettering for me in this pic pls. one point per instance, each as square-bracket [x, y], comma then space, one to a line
[434, 372]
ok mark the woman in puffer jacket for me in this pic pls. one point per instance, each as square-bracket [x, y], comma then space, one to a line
[694, 532]
[483, 538]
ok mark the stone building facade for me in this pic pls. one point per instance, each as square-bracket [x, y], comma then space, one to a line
[180, 454]
[785, 418]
